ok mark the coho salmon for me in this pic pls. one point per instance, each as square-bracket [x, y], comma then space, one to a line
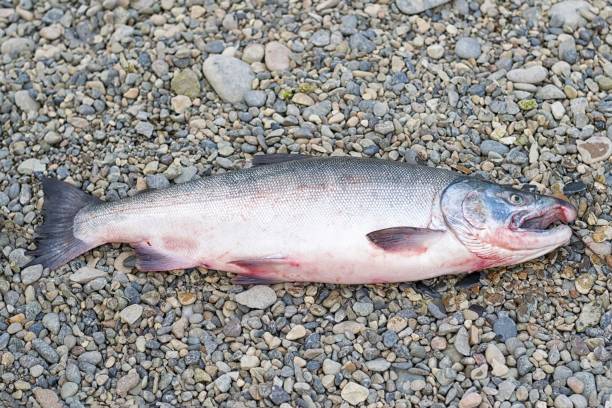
[292, 218]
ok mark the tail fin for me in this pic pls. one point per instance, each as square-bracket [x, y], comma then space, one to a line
[56, 243]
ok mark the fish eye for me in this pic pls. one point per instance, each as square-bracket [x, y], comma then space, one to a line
[516, 199]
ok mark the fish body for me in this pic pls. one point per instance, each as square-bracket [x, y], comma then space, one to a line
[332, 220]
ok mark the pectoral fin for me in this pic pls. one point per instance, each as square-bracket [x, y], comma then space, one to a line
[410, 239]
[270, 269]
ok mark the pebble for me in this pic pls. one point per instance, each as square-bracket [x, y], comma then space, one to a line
[131, 314]
[25, 102]
[45, 351]
[594, 149]
[505, 328]
[228, 76]
[31, 166]
[354, 393]
[467, 47]
[417, 6]
[127, 382]
[470, 400]
[276, 56]
[185, 82]
[257, 297]
[86, 274]
[462, 342]
[296, 332]
[31, 274]
[530, 75]
[255, 98]
[435, 51]
[253, 53]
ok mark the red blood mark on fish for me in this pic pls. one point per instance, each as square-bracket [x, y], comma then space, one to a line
[179, 244]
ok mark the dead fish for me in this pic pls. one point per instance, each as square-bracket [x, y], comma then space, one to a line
[298, 218]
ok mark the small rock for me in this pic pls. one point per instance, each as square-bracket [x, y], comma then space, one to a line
[531, 75]
[563, 401]
[255, 98]
[589, 316]
[253, 53]
[68, 389]
[331, 367]
[51, 322]
[229, 77]
[25, 102]
[247, 362]
[144, 128]
[257, 297]
[31, 166]
[320, 38]
[47, 398]
[296, 332]
[505, 390]
[575, 385]
[505, 328]
[568, 14]
[45, 350]
[557, 110]
[276, 56]
[594, 149]
[186, 83]
[467, 47]
[462, 344]
[87, 274]
[302, 99]
[180, 103]
[584, 283]
[378, 365]
[435, 51]
[131, 314]
[31, 274]
[470, 400]
[418, 6]
[549, 91]
[224, 382]
[127, 382]
[354, 393]
[488, 146]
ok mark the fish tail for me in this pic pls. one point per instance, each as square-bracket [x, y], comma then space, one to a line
[56, 243]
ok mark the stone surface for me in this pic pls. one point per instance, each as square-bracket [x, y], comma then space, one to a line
[354, 393]
[228, 76]
[257, 297]
[418, 6]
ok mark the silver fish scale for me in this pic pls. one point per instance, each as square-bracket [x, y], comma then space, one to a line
[354, 187]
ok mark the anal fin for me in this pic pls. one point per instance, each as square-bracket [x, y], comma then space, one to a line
[150, 260]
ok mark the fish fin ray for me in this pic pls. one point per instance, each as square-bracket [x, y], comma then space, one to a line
[56, 243]
[253, 280]
[403, 238]
[148, 259]
[269, 268]
[266, 159]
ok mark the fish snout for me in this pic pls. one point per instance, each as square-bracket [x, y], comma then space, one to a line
[565, 211]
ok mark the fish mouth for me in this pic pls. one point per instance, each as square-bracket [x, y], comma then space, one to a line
[546, 219]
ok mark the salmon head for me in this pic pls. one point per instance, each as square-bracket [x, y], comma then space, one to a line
[503, 225]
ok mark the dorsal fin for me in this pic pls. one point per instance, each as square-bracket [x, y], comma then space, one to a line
[265, 159]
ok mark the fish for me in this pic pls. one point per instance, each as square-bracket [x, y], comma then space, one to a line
[298, 218]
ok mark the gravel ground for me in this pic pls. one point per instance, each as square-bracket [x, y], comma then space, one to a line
[116, 96]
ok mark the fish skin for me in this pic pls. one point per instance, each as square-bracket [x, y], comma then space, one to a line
[300, 220]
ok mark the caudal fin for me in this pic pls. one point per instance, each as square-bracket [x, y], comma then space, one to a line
[56, 243]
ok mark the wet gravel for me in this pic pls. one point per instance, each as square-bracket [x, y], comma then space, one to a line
[117, 96]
